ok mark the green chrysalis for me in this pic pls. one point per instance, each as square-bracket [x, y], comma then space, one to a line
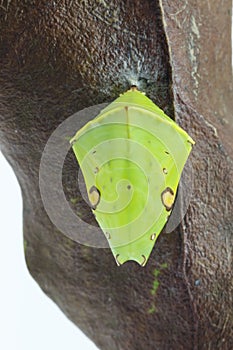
[131, 156]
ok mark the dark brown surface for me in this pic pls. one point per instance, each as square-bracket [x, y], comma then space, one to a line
[59, 57]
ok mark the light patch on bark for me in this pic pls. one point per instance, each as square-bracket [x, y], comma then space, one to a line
[212, 127]
[5, 5]
[193, 53]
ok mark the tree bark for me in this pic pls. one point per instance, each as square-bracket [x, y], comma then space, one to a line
[62, 56]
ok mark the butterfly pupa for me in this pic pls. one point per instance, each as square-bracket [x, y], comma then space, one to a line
[131, 156]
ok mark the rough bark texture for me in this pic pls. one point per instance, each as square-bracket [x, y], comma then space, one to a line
[61, 56]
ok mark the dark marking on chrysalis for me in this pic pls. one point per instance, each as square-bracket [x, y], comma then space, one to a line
[128, 187]
[108, 235]
[144, 261]
[96, 170]
[94, 197]
[117, 261]
[73, 142]
[166, 152]
[167, 197]
[153, 236]
[165, 171]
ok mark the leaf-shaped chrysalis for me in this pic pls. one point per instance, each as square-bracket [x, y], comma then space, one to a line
[131, 156]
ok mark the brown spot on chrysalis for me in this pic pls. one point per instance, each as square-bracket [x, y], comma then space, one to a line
[166, 152]
[108, 235]
[165, 171]
[73, 142]
[96, 170]
[191, 143]
[144, 261]
[167, 197]
[117, 261]
[94, 197]
[152, 237]
[128, 187]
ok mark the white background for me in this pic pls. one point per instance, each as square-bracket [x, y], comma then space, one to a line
[29, 320]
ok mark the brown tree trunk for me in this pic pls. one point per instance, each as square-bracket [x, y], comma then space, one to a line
[61, 56]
